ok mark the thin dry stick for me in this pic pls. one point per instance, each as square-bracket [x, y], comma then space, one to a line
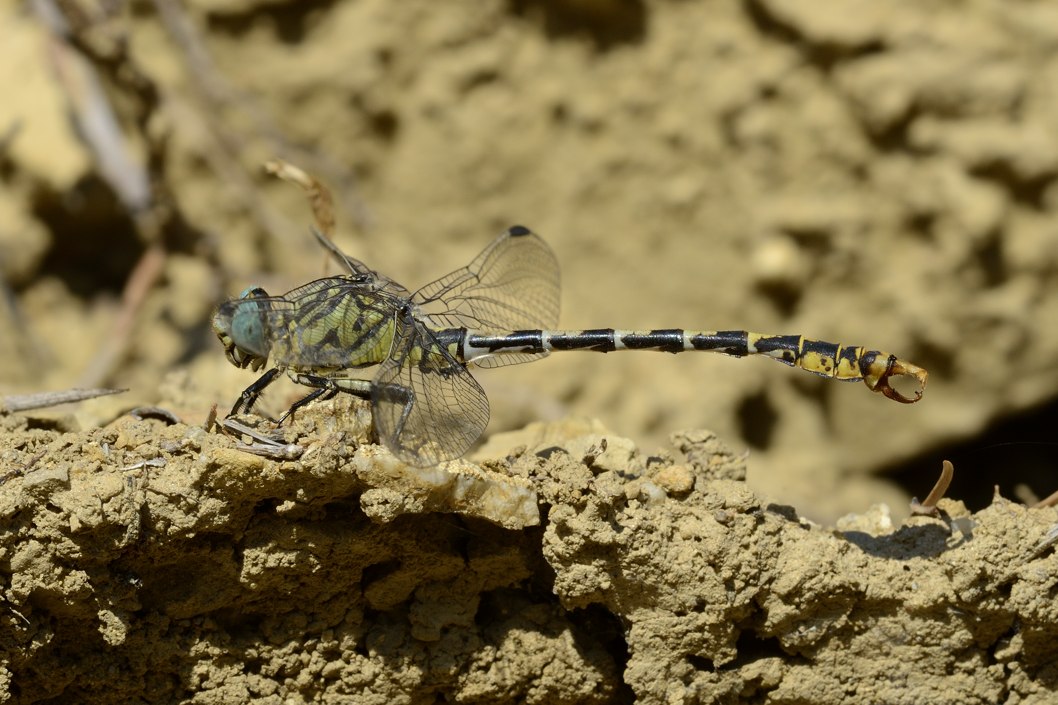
[96, 118]
[319, 196]
[143, 278]
[17, 472]
[1048, 501]
[42, 400]
[216, 149]
[218, 144]
[142, 187]
[219, 94]
[928, 507]
[265, 446]
[183, 31]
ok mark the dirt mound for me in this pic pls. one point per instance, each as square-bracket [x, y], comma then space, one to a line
[162, 563]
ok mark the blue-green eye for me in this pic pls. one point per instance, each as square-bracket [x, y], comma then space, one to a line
[247, 329]
[253, 292]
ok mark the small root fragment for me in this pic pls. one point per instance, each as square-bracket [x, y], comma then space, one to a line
[319, 195]
[154, 412]
[928, 507]
[1048, 501]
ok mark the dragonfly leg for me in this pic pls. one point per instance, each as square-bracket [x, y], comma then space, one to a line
[251, 394]
[326, 388]
[399, 395]
[359, 388]
[322, 392]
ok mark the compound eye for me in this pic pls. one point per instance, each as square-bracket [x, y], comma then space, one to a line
[247, 330]
[253, 292]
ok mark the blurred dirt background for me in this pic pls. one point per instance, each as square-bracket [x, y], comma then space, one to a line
[874, 173]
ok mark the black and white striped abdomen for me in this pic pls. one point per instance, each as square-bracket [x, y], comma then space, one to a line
[833, 360]
[671, 340]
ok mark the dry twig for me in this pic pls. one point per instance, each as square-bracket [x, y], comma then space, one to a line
[219, 96]
[265, 446]
[97, 121]
[140, 282]
[319, 196]
[26, 467]
[102, 53]
[42, 400]
[1048, 501]
[928, 507]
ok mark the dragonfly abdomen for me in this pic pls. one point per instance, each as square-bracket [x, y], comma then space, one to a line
[595, 340]
[832, 360]
[671, 340]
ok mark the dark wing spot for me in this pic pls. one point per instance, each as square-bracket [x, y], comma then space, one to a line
[519, 231]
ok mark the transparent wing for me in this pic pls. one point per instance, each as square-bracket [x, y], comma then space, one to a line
[359, 271]
[512, 285]
[427, 407]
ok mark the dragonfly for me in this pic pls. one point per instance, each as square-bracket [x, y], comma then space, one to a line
[500, 309]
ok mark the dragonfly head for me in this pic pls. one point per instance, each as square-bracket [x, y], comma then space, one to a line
[240, 324]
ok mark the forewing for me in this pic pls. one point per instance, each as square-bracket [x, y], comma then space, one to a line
[512, 285]
[427, 407]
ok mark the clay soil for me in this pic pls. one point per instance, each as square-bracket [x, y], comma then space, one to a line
[872, 173]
